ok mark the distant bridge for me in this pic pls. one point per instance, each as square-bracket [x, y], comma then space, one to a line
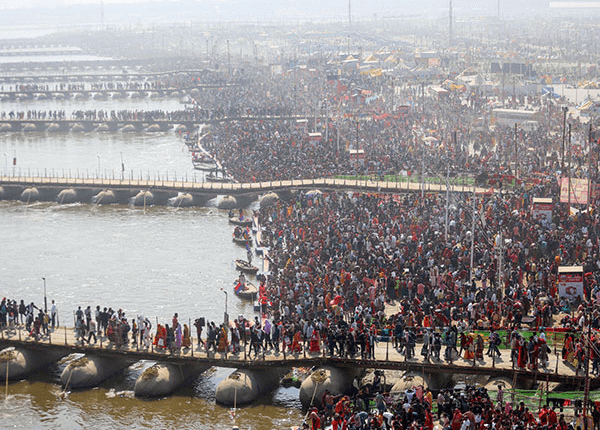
[29, 93]
[32, 188]
[144, 123]
[90, 76]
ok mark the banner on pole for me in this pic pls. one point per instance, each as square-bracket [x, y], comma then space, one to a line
[578, 194]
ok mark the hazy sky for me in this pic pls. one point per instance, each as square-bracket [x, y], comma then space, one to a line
[74, 12]
[358, 5]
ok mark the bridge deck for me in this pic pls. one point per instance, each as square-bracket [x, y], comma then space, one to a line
[93, 74]
[235, 188]
[386, 357]
[31, 91]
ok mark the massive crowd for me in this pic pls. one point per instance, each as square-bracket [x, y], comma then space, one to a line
[339, 260]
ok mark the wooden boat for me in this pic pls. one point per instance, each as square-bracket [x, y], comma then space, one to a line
[211, 177]
[244, 266]
[242, 240]
[249, 292]
[206, 165]
[244, 222]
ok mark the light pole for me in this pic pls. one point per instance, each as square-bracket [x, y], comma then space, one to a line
[5, 164]
[562, 148]
[357, 148]
[45, 299]
[226, 316]
[393, 93]
[98, 155]
[122, 167]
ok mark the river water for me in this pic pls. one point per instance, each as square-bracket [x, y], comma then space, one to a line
[151, 263]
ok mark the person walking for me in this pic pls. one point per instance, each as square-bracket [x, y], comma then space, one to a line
[92, 332]
[199, 323]
[88, 316]
[54, 315]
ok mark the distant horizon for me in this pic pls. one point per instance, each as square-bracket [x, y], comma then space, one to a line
[309, 7]
[56, 15]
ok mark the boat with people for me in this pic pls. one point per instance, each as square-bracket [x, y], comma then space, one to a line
[241, 222]
[245, 289]
[241, 240]
[202, 160]
[211, 177]
[206, 165]
[245, 266]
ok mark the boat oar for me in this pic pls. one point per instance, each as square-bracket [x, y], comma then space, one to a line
[312, 399]
[64, 393]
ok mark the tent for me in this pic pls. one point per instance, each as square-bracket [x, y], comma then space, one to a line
[371, 59]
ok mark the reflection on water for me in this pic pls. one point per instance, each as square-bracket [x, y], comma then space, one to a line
[39, 403]
[96, 154]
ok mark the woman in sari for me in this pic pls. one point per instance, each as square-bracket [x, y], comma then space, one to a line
[222, 345]
[178, 336]
[297, 342]
[469, 348]
[186, 342]
[314, 342]
[479, 348]
[160, 338]
[522, 348]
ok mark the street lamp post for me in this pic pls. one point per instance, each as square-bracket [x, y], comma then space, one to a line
[393, 93]
[98, 155]
[45, 299]
[226, 316]
[357, 148]
[562, 148]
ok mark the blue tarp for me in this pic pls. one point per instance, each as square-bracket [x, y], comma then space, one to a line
[550, 90]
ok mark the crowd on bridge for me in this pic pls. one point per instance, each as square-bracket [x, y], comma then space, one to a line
[123, 82]
[34, 114]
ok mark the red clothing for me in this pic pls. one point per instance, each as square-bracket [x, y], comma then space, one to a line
[456, 420]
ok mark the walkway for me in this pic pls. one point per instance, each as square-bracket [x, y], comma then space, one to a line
[386, 357]
[52, 91]
[189, 119]
[235, 189]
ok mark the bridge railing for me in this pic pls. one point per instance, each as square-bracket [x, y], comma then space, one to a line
[190, 181]
[385, 347]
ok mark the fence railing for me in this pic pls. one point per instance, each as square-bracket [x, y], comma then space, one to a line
[193, 181]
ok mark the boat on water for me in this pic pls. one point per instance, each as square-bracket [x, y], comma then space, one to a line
[242, 222]
[211, 177]
[245, 290]
[206, 165]
[245, 266]
[241, 240]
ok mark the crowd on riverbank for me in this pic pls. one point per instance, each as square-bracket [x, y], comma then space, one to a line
[456, 409]
[424, 140]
